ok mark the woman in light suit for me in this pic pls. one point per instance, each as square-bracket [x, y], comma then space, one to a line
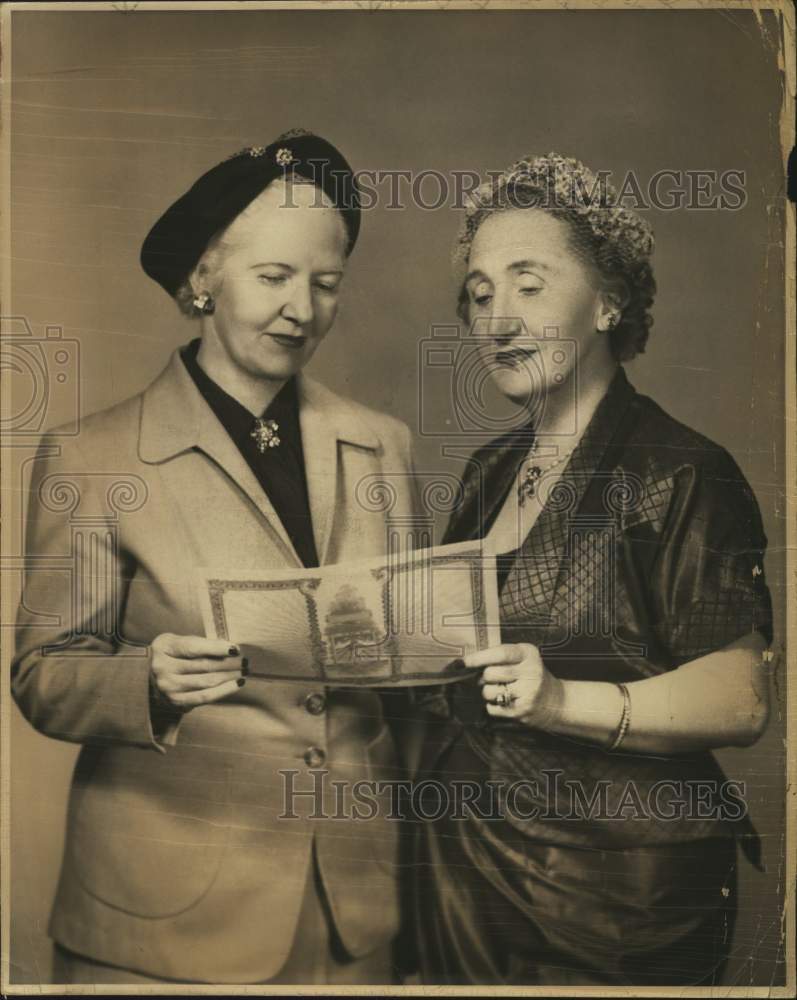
[177, 866]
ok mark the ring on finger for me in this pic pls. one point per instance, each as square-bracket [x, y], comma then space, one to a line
[504, 696]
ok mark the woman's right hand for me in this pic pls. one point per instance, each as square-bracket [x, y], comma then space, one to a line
[190, 670]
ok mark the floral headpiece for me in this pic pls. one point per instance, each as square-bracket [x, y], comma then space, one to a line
[565, 187]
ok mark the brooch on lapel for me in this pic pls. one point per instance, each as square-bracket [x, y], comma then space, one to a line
[266, 434]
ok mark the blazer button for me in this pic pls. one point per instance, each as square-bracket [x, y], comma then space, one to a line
[314, 757]
[315, 703]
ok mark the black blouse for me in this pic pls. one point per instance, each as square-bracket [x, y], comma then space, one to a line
[280, 471]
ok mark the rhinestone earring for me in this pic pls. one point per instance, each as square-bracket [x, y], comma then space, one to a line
[204, 303]
[609, 323]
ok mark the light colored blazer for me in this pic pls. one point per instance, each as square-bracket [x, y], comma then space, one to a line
[176, 863]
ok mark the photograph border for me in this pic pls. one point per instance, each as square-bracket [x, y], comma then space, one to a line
[786, 13]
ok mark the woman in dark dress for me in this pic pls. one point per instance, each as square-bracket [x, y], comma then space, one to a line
[635, 630]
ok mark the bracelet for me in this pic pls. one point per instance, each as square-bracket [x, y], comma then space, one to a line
[625, 720]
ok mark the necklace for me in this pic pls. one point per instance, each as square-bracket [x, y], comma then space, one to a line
[266, 434]
[533, 473]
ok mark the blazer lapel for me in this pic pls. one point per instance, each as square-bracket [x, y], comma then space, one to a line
[326, 419]
[175, 419]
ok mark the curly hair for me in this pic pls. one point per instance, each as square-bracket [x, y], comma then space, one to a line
[617, 241]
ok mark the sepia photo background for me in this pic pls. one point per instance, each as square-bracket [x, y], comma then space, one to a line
[114, 114]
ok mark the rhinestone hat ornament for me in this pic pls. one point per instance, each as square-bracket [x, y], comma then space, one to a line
[266, 434]
[284, 157]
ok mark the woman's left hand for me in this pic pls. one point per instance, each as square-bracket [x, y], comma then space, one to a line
[517, 685]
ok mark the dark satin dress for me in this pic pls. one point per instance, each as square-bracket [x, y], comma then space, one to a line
[648, 554]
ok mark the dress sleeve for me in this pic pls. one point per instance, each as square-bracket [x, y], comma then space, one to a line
[709, 588]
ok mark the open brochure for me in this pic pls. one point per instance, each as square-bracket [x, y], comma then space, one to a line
[403, 619]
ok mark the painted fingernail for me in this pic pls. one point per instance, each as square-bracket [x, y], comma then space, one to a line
[458, 665]
[233, 650]
[240, 682]
[245, 667]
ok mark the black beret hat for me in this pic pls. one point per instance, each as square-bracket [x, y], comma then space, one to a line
[178, 239]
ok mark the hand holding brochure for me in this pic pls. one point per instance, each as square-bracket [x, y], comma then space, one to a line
[403, 619]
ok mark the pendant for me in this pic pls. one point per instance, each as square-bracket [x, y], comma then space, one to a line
[528, 486]
[266, 434]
